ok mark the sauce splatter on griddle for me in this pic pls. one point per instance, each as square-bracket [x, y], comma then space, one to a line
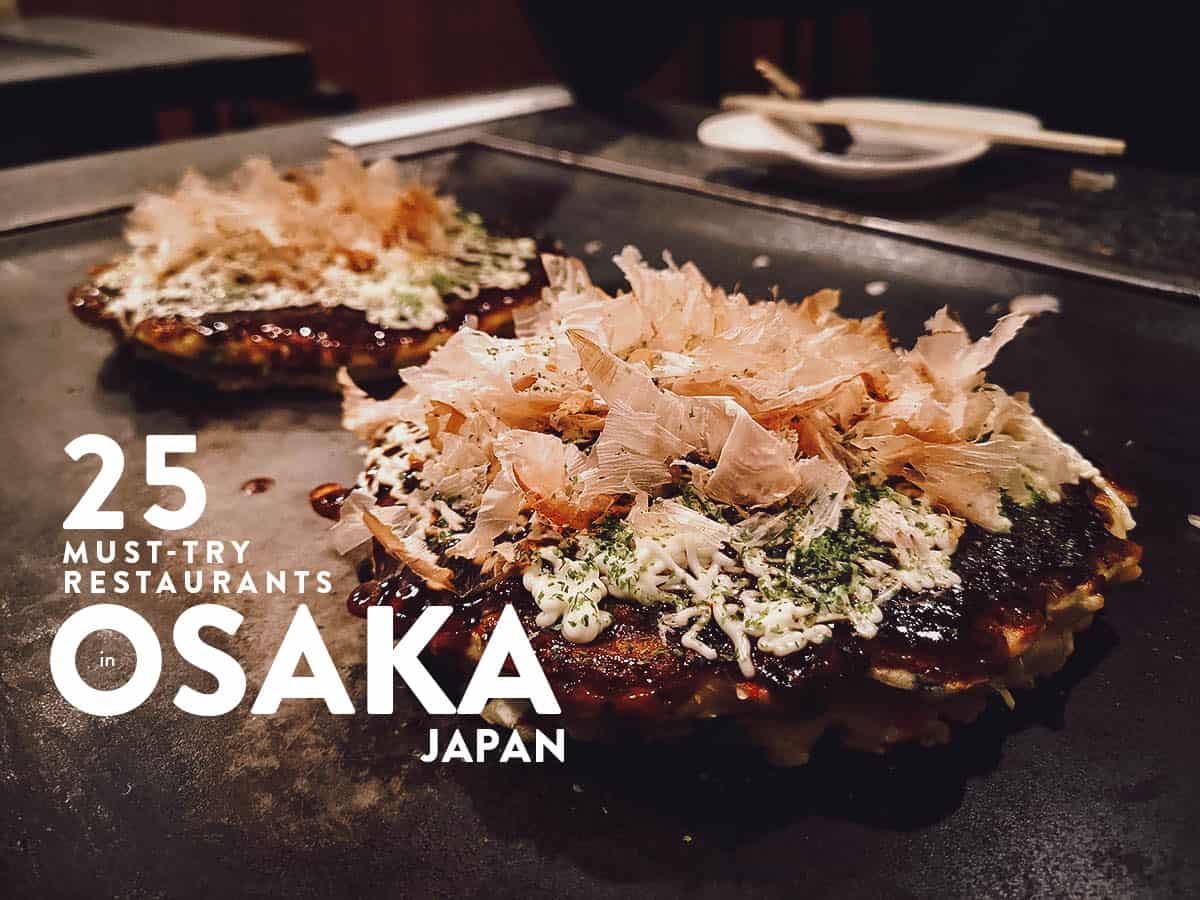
[259, 485]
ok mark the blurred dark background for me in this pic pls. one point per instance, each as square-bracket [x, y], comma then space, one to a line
[1105, 69]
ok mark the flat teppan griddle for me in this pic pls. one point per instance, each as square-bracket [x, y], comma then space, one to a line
[1088, 788]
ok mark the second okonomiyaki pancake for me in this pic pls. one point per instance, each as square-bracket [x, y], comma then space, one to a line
[286, 278]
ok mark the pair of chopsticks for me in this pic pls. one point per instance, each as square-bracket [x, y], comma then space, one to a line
[794, 109]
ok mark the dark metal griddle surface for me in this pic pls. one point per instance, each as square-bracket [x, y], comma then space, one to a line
[1088, 788]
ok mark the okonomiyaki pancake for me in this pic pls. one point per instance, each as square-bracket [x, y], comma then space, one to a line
[705, 507]
[287, 278]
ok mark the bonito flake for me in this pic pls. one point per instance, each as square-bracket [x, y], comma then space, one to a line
[768, 468]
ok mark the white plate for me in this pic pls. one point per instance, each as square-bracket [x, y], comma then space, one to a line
[878, 153]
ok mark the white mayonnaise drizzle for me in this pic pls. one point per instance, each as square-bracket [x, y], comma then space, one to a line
[403, 290]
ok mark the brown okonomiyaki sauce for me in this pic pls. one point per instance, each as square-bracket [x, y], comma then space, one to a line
[1007, 579]
[955, 634]
[301, 338]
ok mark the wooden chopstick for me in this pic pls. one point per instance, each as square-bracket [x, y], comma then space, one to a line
[778, 79]
[830, 114]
